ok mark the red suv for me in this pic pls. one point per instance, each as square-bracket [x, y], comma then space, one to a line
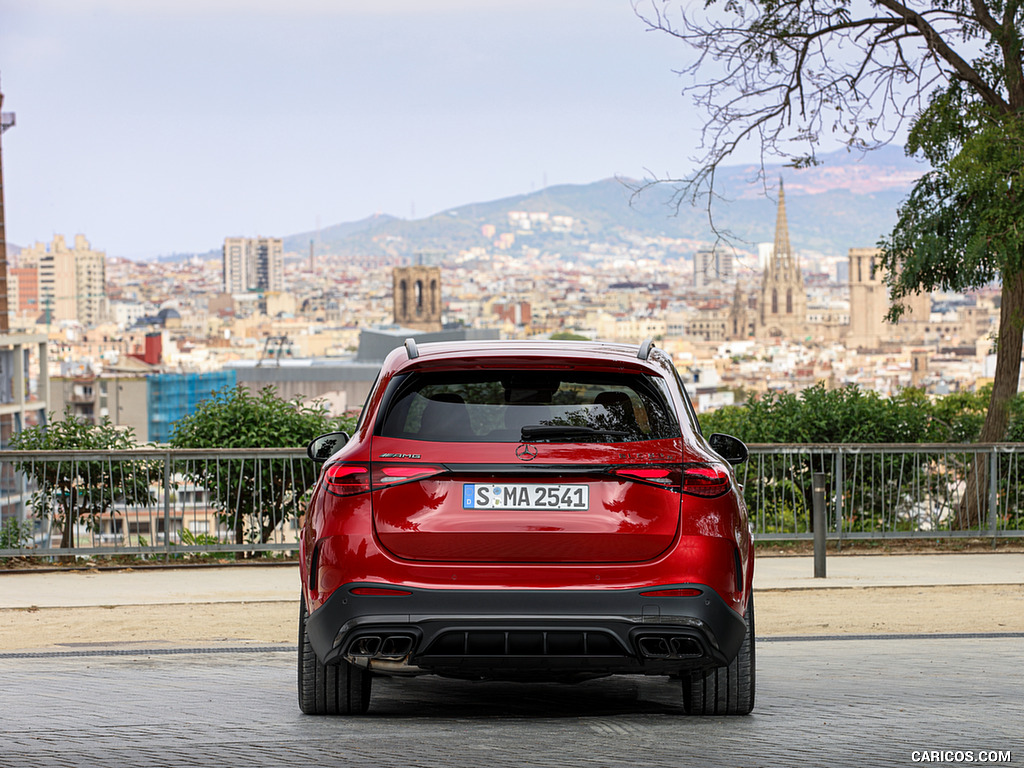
[527, 511]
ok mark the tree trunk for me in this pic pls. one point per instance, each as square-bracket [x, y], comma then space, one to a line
[1004, 388]
[67, 540]
[67, 534]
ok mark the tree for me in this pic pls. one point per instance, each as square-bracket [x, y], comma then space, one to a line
[568, 336]
[264, 492]
[963, 224]
[81, 491]
[788, 73]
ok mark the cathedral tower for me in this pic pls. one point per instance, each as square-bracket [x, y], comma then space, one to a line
[782, 307]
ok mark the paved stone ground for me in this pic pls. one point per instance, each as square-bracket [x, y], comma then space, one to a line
[826, 702]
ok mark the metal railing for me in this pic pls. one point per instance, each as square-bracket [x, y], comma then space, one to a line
[154, 501]
[885, 491]
[184, 502]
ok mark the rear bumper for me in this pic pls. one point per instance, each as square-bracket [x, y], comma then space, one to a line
[526, 633]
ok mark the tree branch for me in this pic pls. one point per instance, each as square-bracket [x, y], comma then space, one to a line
[938, 46]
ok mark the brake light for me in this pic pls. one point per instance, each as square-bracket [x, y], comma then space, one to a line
[707, 480]
[347, 479]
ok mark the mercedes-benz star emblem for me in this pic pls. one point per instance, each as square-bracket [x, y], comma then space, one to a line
[526, 452]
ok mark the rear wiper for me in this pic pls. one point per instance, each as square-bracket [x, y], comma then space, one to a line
[534, 432]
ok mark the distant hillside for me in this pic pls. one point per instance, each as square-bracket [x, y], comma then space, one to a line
[848, 201]
[336, 233]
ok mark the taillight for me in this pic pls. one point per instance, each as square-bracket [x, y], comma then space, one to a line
[402, 473]
[663, 477]
[350, 479]
[379, 592]
[707, 480]
[347, 479]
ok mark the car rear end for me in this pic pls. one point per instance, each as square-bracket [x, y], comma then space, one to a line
[527, 511]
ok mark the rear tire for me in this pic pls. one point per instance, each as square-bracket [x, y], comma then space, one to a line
[727, 690]
[335, 689]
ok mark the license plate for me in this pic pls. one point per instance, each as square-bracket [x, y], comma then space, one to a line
[524, 496]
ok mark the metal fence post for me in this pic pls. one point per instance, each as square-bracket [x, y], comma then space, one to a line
[838, 464]
[167, 502]
[818, 510]
[993, 493]
[22, 481]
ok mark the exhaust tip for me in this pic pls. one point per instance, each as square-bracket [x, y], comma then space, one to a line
[669, 647]
[396, 647]
[654, 647]
[365, 646]
[686, 647]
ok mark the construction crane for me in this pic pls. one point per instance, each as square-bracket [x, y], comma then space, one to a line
[269, 354]
[6, 121]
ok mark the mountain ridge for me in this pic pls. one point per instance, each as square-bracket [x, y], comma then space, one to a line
[849, 200]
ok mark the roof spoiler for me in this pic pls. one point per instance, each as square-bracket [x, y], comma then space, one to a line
[645, 348]
[410, 348]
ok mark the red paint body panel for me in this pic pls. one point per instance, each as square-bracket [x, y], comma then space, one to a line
[625, 522]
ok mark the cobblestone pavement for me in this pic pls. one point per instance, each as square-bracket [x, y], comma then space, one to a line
[825, 702]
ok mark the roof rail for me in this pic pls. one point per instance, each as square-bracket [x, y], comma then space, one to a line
[410, 348]
[645, 348]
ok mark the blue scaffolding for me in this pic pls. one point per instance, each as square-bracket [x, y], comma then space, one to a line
[171, 396]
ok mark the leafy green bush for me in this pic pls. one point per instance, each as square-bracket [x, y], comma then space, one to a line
[76, 491]
[253, 497]
[189, 539]
[15, 534]
[854, 415]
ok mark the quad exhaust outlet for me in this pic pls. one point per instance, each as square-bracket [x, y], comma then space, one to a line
[669, 647]
[389, 647]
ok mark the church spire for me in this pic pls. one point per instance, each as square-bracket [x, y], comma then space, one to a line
[782, 250]
[782, 308]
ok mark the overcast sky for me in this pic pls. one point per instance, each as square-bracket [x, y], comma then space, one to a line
[159, 126]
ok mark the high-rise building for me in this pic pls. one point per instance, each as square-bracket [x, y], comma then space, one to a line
[711, 266]
[72, 282]
[704, 270]
[253, 264]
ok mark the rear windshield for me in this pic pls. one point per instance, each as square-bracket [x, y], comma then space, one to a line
[512, 406]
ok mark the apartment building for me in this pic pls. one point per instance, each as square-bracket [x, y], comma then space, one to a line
[713, 266]
[253, 263]
[70, 283]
